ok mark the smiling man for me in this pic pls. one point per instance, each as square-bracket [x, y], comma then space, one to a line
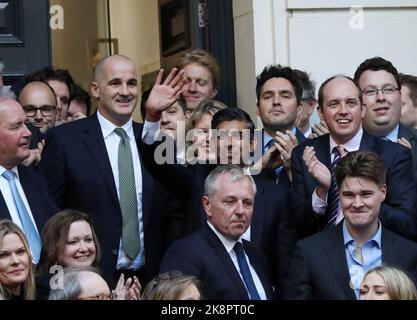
[315, 200]
[201, 72]
[331, 264]
[93, 165]
[381, 89]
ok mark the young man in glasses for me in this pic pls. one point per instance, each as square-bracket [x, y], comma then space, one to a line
[380, 85]
[40, 105]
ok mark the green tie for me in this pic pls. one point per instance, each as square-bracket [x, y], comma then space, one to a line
[128, 202]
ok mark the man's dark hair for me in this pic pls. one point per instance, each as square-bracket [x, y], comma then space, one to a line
[277, 71]
[81, 96]
[308, 86]
[361, 164]
[233, 114]
[377, 64]
[51, 74]
[324, 84]
[411, 83]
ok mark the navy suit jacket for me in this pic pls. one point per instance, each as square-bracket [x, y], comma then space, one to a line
[411, 135]
[203, 255]
[319, 269]
[398, 212]
[36, 192]
[271, 228]
[77, 167]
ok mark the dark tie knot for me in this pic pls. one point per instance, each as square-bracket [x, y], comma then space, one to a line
[121, 133]
[336, 151]
[238, 248]
[9, 175]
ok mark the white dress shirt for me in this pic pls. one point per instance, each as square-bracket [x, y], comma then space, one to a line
[112, 141]
[228, 245]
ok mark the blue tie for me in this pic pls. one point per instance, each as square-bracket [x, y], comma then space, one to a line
[244, 269]
[333, 194]
[28, 226]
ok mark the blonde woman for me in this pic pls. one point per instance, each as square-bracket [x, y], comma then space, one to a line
[16, 272]
[387, 283]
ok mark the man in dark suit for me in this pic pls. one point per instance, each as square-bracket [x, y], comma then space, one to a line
[86, 163]
[380, 85]
[314, 195]
[24, 193]
[270, 219]
[331, 264]
[279, 93]
[229, 267]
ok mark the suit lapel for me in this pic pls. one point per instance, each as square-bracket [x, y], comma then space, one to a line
[323, 150]
[94, 141]
[147, 180]
[259, 212]
[367, 142]
[336, 255]
[224, 257]
[389, 254]
[4, 211]
[258, 266]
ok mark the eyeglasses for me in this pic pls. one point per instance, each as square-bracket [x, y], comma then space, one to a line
[388, 90]
[46, 110]
[100, 296]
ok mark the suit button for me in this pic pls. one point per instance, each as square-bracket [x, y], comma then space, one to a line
[115, 252]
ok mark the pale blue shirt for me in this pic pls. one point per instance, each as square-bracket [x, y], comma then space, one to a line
[319, 205]
[8, 199]
[112, 140]
[393, 135]
[228, 245]
[371, 253]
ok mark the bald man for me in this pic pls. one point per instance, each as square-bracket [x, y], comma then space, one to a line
[84, 171]
[24, 197]
[40, 105]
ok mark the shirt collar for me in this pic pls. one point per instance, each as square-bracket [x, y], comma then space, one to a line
[3, 169]
[352, 145]
[393, 135]
[375, 239]
[108, 127]
[227, 243]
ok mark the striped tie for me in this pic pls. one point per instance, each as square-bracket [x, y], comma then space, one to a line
[333, 194]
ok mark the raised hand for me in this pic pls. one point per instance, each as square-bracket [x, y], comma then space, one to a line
[286, 142]
[319, 172]
[164, 95]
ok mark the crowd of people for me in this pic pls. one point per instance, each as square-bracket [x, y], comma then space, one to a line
[196, 202]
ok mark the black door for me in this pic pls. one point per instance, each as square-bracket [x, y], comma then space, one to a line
[24, 37]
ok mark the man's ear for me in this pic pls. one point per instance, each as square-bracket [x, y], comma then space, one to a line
[214, 93]
[95, 91]
[320, 112]
[207, 206]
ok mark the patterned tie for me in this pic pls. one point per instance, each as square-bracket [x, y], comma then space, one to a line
[28, 226]
[128, 201]
[333, 194]
[244, 269]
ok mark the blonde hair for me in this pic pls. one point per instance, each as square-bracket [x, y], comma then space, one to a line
[398, 284]
[209, 106]
[28, 288]
[169, 286]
